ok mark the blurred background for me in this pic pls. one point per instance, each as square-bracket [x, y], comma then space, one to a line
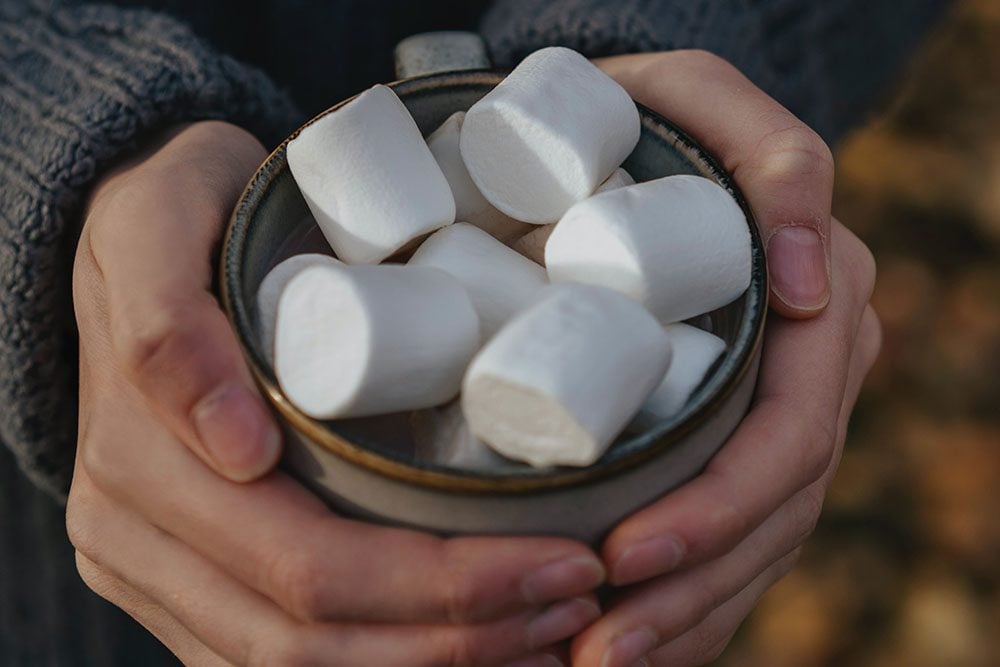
[904, 568]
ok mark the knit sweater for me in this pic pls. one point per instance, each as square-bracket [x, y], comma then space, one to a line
[82, 84]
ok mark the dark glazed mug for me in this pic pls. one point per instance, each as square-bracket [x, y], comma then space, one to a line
[366, 468]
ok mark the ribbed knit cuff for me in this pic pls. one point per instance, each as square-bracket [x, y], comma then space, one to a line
[80, 85]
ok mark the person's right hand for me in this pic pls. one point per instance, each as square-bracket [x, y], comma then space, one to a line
[164, 520]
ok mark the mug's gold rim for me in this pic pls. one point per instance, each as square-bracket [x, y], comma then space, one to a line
[456, 480]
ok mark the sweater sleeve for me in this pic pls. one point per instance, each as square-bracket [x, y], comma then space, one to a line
[79, 85]
[828, 62]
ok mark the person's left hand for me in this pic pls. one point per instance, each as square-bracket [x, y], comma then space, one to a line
[736, 529]
[692, 565]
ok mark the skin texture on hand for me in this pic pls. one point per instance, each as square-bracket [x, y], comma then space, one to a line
[176, 518]
[690, 567]
[173, 511]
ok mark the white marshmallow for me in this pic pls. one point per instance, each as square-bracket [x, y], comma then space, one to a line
[442, 436]
[532, 244]
[548, 134]
[694, 352]
[499, 281]
[369, 178]
[354, 341]
[470, 204]
[562, 379]
[679, 245]
[269, 294]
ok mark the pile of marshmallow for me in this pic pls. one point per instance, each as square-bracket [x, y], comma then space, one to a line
[545, 286]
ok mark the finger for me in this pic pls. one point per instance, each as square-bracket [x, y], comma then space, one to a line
[660, 610]
[705, 643]
[153, 241]
[676, 605]
[867, 344]
[785, 443]
[246, 628]
[282, 541]
[783, 167]
[167, 629]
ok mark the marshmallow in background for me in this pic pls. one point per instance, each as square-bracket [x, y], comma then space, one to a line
[470, 204]
[499, 281]
[369, 178]
[562, 379]
[354, 341]
[442, 437]
[679, 245]
[694, 352]
[270, 290]
[532, 244]
[548, 135]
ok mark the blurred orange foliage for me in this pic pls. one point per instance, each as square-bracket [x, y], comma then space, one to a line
[904, 568]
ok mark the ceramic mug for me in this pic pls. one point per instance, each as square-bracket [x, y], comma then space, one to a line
[360, 467]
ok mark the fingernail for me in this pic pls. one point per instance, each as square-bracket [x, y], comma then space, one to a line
[562, 579]
[540, 660]
[797, 262]
[236, 432]
[561, 621]
[630, 649]
[648, 559]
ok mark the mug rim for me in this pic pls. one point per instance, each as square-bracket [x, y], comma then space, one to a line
[647, 445]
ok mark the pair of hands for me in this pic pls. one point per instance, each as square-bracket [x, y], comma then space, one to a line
[178, 518]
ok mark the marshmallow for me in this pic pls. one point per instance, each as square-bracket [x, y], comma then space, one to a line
[679, 245]
[694, 352]
[499, 281]
[562, 379]
[470, 204]
[354, 341]
[442, 437]
[532, 244]
[369, 178]
[269, 293]
[547, 135]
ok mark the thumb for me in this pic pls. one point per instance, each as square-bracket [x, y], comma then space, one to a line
[153, 238]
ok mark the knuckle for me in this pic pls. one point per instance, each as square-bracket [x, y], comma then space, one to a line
[858, 266]
[725, 517]
[453, 648]
[150, 344]
[791, 151]
[95, 577]
[459, 594]
[713, 653]
[807, 509]
[704, 600]
[815, 439]
[866, 270]
[297, 578]
[708, 645]
[870, 336]
[281, 649]
[788, 563]
[98, 457]
[82, 526]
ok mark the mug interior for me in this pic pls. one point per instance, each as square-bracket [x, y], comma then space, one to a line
[272, 222]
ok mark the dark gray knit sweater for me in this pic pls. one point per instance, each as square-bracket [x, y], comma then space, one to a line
[82, 83]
